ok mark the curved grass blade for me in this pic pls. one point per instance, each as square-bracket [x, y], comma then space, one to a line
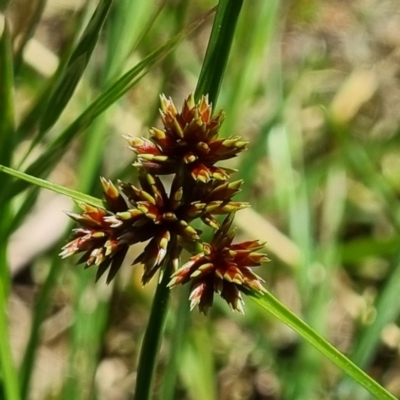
[73, 194]
[57, 148]
[65, 86]
[275, 307]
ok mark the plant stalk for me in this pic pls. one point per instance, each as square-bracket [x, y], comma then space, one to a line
[152, 337]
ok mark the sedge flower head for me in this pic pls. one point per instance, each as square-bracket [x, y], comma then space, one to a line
[188, 147]
[191, 136]
[133, 215]
[222, 268]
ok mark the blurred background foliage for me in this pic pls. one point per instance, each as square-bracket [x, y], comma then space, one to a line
[315, 87]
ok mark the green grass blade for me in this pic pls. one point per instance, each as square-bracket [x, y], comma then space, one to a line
[65, 86]
[6, 97]
[275, 307]
[73, 194]
[218, 49]
[8, 372]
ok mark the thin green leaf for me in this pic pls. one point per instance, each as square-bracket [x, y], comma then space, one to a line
[275, 307]
[9, 376]
[8, 372]
[218, 49]
[65, 86]
[73, 194]
[6, 97]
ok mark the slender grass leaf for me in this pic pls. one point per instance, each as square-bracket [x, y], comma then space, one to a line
[218, 49]
[65, 87]
[6, 97]
[73, 194]
[8, 372]
[275, 307]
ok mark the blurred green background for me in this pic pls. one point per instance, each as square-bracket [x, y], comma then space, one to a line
[315, 87]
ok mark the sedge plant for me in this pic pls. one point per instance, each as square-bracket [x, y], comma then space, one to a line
[188, 151]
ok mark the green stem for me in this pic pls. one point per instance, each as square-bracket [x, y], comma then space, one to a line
[218, 49]
[275, 307]
[152, 337]
[9, 376]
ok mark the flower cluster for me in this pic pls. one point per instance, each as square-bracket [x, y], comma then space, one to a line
[188, 148]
